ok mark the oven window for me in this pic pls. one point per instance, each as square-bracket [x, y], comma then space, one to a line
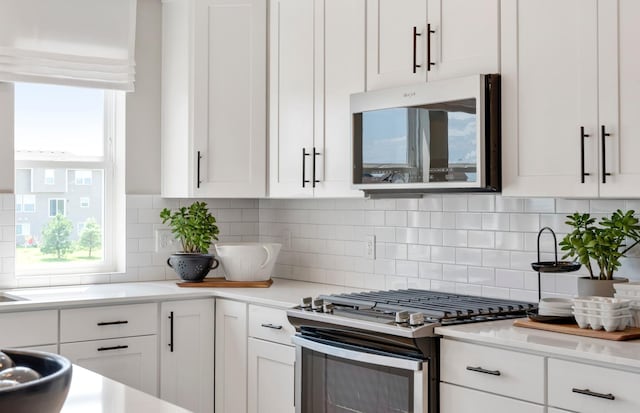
[427, 143]
[335, 385]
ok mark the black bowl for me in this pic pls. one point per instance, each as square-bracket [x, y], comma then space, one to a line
[45, 395]
[555, 266]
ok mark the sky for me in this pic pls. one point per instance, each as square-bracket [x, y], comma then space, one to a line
[59, 118]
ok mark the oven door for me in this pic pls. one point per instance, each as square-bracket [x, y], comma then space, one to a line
[331, 377]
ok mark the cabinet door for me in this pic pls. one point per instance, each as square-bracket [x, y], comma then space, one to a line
[186, 354]
[343, 71]
[29, 328]
[291, 95]
[231, 357]
[454, 399]
[132, 360]
[268, 361]
[549, 78]
[465, 38]
[391, 42]
[214, 98]
[619, 88]
[230, 97]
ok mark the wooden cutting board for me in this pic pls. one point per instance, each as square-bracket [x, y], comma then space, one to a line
[630, 333]
[223, 283]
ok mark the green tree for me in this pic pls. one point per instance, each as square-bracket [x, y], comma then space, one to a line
[56, 236]
[91, 235]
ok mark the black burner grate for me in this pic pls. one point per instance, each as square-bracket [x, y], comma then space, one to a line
[435, 305]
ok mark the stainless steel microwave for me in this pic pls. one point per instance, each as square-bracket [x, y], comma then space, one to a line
[440, 136]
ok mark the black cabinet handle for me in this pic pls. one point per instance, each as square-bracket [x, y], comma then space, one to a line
[314, 181]
[415, 48]
[429, 33]
[484, 371]
[304, 164]
[588, 392]
[273, 326]
[198, 181]
[582, 137]
[603, 135]
[112, 348]
[112, 323]
[171, 332]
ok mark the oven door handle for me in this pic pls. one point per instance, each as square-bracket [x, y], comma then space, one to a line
[361, 356]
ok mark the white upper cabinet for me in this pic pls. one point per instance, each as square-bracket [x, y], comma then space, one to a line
[317, 59]
[418, 40]
[619, 92]
[214, 98]
[569, 69]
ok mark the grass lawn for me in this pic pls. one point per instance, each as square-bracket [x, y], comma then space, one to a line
[34, 256]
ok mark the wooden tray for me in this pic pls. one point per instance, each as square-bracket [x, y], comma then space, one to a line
[630, 333]
[223, 283]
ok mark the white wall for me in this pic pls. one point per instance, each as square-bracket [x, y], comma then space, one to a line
[143, 105]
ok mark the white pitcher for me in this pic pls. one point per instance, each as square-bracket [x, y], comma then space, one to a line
[247, 261]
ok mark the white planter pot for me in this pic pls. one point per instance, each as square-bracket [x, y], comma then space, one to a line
[601, 288]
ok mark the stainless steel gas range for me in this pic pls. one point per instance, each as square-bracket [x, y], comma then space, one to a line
[376, 352]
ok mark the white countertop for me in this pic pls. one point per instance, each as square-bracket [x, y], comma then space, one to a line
[91, 392]
[503, 333]
[282, 293]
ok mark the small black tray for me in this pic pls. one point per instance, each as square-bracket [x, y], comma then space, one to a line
[555, 266]
[550, 319]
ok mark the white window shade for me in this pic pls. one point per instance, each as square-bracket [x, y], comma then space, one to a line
[72, 42]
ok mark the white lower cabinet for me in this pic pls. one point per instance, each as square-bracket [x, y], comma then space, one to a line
[231, 357]
[592, 389]
[187, 354]
[29, 328]
[456, 399]
[271, 377]
[119, 342]
[490, 369]
[129, 360]
[271, 354]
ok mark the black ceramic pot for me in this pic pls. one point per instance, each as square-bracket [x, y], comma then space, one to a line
[45, 395]
[192, 267]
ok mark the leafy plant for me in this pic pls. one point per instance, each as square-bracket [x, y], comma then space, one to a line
[56, 236]
[194, 226]
[603, 244]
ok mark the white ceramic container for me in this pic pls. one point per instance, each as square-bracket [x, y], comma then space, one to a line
[247, 261]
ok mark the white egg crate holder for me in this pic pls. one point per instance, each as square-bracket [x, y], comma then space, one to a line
[612, 314]
[630, 291]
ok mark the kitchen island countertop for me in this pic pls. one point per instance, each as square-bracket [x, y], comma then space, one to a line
[91, 392]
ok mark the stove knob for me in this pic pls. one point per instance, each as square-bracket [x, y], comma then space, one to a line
[402, 317]
[327, 308]
[416, 319]
[317, 305]
[305, 303]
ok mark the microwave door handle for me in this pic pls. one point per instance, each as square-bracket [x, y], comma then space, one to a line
[348, 354]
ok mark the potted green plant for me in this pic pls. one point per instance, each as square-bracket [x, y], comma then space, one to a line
[196, 228]
[603, 245]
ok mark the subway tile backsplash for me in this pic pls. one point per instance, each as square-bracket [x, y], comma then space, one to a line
[474, 244]
[471, 244]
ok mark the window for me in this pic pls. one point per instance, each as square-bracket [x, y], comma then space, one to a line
[23, 229]
[83, 177]
[56, 206]
[25, 203]
[49, 176]
[64, 155]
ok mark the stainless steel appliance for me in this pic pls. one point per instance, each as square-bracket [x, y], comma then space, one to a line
[434, 136]
[376, 352]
